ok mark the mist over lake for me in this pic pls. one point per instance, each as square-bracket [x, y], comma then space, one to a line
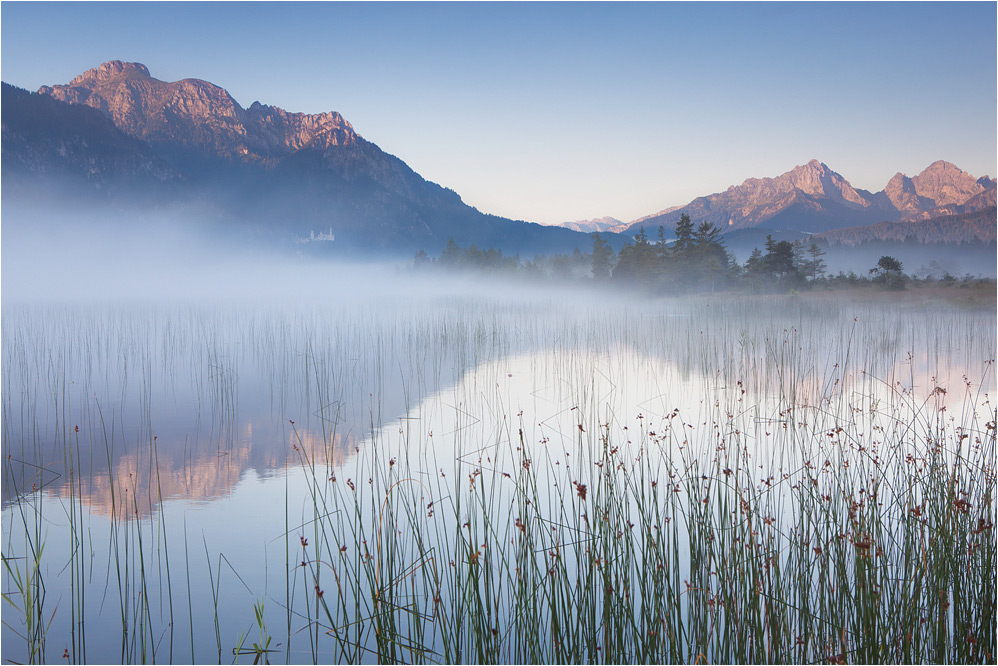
[172, 465]
[490, 333]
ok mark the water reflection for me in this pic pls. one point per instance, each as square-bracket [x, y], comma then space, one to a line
[138, 437]
[128, 408]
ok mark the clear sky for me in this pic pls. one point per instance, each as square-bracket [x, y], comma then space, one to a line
[552, 112]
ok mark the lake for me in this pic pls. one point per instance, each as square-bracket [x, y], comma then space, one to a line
[498, 477]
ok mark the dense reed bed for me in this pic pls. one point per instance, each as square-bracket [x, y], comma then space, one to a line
[505, 480]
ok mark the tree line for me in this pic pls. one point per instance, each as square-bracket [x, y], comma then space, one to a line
[695, 260]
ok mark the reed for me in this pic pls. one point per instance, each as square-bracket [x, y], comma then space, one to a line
[682, 556]
[678, 482]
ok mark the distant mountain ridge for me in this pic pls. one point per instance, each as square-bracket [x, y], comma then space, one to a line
[115, 133]
[600, 224]
[973, 227]
[260, 170]
[812, 198]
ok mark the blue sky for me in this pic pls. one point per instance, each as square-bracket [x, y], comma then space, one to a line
[562, 111]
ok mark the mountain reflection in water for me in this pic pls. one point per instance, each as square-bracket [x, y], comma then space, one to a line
[128, 409]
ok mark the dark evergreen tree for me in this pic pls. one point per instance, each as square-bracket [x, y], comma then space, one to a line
[888, 265]
[707, 259]
[888, 270]
[684, 234]
[778, 267]
[662, 247]
[707, 235]
[639, 264]
[755, 265]
[780, 259]
[814, 267]
[602, 258]
[451, 254]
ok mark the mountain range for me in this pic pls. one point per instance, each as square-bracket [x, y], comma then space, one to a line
[117, 137]
[812, 198]
[598, 225]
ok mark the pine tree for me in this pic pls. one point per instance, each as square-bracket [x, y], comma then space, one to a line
[816, 265]
[888, 269]
[451, 254]
[684, 234]
[602, 257]
[639, 264]
[706, 235]
[755, 265]
[662, 248]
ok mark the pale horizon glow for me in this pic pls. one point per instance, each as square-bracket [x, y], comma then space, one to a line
[555, 112]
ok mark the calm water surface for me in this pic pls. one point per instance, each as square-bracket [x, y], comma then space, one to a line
[162, 461]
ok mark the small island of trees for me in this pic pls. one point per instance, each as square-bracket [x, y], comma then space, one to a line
[695, 260]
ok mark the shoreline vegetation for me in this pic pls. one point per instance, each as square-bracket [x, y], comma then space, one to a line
[823, 495]
[868, 556]
[658, 549]
[696, 261]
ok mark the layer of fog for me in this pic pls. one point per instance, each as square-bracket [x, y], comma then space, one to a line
[54, 255]
[920, 260]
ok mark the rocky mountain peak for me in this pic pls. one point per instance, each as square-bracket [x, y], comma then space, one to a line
[817, 180]
[813, 197]
[811, 178]
[901, 192]
[945, 184]
[942, 166]
[297, 130]
[110, 70]
[899, 183]
[199, 115]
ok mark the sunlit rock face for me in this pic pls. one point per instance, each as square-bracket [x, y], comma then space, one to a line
[810, 197]
[945, 183]
[259, 175]
[288, 175]
[817, 179]
[198, 114]
[813, 198]
[903, 195]
[44, 137]
[949, 191]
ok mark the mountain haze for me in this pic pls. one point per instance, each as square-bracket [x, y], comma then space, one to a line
[973, 227]
[78, 145]
[120, 138]
[259, 171]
